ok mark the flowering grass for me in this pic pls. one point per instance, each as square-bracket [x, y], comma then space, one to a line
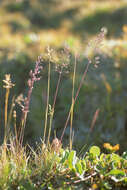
[50, 165]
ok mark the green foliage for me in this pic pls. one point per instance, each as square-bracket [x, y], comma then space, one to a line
[95, 151]
[28, 24]
[63, 170]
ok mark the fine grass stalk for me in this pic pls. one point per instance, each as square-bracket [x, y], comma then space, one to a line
[76, 96]
[8, 85]
[53, 107]
[72, 104]
[48, 92]
[90, 131]
[15, 127]
[10, 114]
[51, 112]
[97, 42]
[6, 112]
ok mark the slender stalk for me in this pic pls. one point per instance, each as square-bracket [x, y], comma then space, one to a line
[81, 180]
[21, 132]
[76, 96]
[94, 119]
[91, 129]
[10, 114]
[6, 112]
[72, 104]
[48, 91]
[7, 84]
[53, 107]
[15, 128]
[50, 126]
[6, 118]
[57, 87]
[97, 42]
[25, 112]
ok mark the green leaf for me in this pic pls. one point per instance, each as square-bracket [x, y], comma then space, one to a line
[115, 157]
[95, 150]
[64, 156]
[125, 180]
[124, 155]
[72, 159]
[116, 172]
[79, 168]
[102, 157]
[107, 185]
[84, 165]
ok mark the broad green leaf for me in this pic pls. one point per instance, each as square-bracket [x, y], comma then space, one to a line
[64, 156]
[78, 167]
[115, 157]
[102, 157]
[125, 179]
[84, 165]
[72, 159]
[116, 172]
[95, 150]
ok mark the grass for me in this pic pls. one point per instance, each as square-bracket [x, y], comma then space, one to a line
[77, 23]
[60, 168]
[50, 165]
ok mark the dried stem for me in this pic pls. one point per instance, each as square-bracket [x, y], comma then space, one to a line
[94, 119]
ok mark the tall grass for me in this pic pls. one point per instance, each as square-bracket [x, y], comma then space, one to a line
[50, 108]
[17, 162]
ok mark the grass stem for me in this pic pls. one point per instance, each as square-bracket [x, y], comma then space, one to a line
[72, 104]
[76, 96]
[6, 112]
[47, 104]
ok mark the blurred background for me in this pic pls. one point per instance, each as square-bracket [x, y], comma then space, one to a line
[27, 27]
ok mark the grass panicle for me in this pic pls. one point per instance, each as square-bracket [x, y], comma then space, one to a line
[34, 76]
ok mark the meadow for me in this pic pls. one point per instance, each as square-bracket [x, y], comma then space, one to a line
[63, 94]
